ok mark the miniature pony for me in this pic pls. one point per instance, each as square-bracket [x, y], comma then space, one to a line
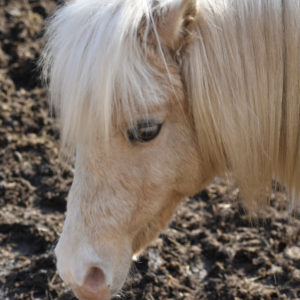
[155, 98]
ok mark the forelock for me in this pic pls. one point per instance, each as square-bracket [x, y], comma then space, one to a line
[96, 64]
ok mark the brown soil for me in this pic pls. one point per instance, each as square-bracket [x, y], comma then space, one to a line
[210, 251]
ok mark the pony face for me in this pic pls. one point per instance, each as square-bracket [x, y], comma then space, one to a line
[123, 107]
[122, 198]
[156, 97]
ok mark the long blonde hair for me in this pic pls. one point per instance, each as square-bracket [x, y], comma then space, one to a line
[245, 91]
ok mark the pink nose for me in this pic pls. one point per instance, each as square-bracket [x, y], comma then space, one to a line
[94, 286]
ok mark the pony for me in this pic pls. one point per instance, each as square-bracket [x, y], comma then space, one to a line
[157, 97]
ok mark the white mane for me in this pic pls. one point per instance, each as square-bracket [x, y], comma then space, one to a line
[93, 59]
[245, 91]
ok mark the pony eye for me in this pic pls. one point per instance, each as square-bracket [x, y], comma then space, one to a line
[144, 131]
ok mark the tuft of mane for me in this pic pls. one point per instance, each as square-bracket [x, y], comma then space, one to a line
[96, 66]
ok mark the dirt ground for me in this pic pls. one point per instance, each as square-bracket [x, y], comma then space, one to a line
[210, 251]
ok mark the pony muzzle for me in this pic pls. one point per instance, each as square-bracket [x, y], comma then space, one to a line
[94, 286]
[83, 271]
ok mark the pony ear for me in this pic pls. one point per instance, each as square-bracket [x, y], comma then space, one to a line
[173, 18]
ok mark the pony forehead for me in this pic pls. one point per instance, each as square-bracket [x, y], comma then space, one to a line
[95, 64]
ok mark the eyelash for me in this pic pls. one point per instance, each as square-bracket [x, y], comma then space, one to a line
[142, 131]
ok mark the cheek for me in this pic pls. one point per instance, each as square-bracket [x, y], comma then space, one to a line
[189, 171]
[179, 159]
[138, 186]
[156, 221]
[112, 203]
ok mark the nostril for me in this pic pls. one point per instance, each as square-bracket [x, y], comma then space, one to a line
[94, 286]
[94, 280]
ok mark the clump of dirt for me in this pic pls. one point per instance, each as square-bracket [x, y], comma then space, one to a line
[210, 251]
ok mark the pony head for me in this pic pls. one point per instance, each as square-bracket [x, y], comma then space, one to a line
[156, 97]
[115, 81]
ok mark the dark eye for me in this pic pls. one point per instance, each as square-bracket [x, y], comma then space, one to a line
[144, 131]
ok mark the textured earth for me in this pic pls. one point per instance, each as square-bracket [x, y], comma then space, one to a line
[211, 250]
